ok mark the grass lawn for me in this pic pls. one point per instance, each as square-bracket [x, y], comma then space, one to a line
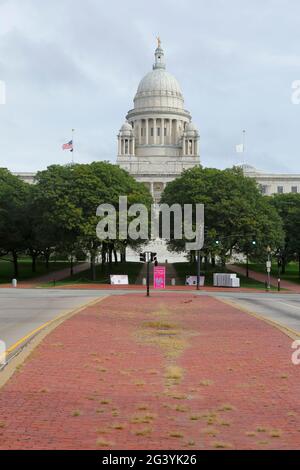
[187, 269]
[102, 275]
[291, 274]
[25, 272]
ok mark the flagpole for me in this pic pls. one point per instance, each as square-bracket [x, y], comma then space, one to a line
[244, 145]
[73, 130]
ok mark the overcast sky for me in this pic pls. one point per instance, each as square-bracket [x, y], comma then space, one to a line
[77, 63]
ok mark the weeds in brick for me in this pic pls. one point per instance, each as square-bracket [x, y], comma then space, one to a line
[118, 426]
[143, 431]
[226, 407]
[181, 408]
[261, 429]
[178, 396]
[176, 434]
[142, 407]
[206, 383]
[174, 372]
[221, 445]
[221, 422]
[143, 419]
[275, 433]
[212, 432]
[103, 443]
[195, 417]
[263, 443]
[139, 383]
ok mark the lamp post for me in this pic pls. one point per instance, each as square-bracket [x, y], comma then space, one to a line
[198, 269]
[269, 267]
[279, 264]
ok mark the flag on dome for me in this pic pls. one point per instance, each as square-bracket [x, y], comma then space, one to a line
[68, 146]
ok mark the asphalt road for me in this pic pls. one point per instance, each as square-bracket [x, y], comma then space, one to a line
[24, 310]
[282, 308]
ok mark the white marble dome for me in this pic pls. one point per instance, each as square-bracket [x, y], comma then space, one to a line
[159, 80]
[126, 129]
[159, 88]
[191, 129]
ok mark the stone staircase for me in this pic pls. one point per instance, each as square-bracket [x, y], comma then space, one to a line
[160, 247]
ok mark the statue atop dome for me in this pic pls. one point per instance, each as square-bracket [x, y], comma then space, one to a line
[158, 42]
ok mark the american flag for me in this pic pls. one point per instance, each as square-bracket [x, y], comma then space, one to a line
[68, 146]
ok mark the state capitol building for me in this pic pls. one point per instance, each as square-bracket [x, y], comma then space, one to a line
[158, 139]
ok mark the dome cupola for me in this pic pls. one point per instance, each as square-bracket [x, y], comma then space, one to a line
[159, 88]
[159, 57]
[126, 129]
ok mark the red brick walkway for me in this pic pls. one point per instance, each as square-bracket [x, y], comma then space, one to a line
[169, 372]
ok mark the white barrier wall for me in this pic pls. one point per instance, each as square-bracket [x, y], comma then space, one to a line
[226, 280]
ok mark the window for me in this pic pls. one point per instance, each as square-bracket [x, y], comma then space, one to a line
[158, 131]
[280, 189]
[165, 131]
[294, 189]
[190, 147]
[263, 188]
[142, 132]
[152, 132]
[126, 147]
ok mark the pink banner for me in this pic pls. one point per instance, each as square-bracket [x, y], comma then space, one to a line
[159, 277]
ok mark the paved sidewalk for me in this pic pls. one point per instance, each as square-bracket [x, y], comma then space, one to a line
[168, 372]
[53, 275]
[261, 277]
[58, 275]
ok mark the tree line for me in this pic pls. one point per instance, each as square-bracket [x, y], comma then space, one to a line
[56, 216]
[238, 218]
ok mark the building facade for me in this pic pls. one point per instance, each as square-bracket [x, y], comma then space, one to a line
[273, 183]
[158, 139]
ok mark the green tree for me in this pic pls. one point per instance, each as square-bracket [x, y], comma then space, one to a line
[70, 196]
[13, 197]
[235, 211]
[288, 207]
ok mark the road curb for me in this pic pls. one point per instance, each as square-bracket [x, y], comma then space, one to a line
[30, 342]
[293, 334]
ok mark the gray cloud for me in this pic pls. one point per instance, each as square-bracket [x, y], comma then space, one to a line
[76, 63]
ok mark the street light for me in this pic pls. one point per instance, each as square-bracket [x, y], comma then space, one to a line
[279, 265]
[269, 266]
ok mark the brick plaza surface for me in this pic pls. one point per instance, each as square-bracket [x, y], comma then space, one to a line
[169, 372]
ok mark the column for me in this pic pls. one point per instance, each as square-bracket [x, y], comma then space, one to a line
[176, 131]
[154, 131]
[119, 146]
[183, 145]
[163, 131]
[152, 189]
[147, 131]
[133, 146]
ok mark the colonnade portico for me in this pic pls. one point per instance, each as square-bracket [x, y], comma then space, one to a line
[158, 131]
